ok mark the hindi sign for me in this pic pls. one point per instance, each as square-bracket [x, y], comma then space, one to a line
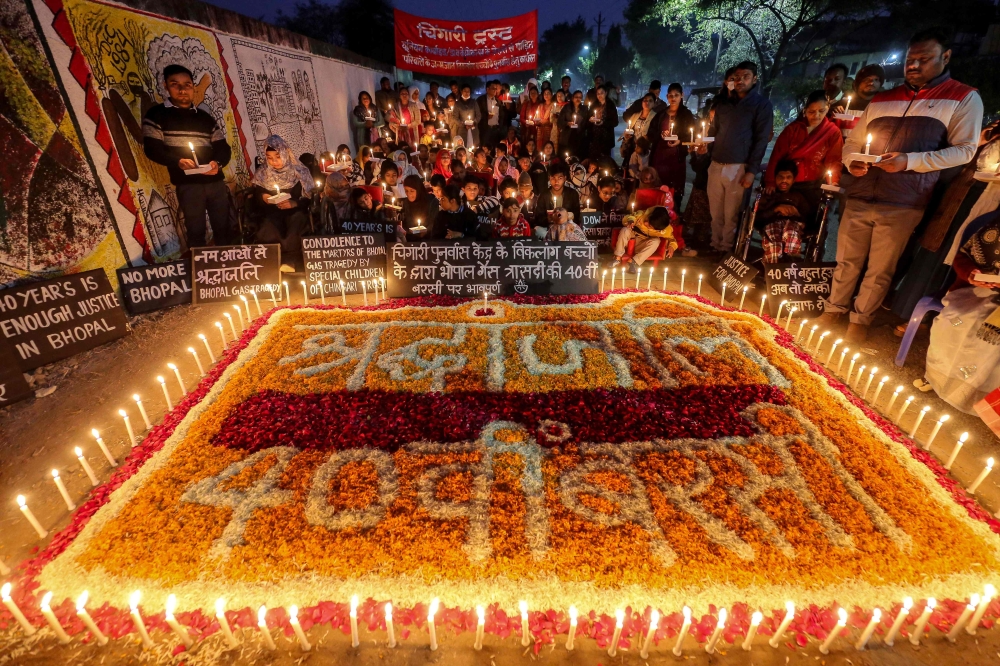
[734, 273]
[223, 273]
[386, 227]
[509, 266]
[803, 284]
[598, 227]
[466, 48]
[353, 258]
[47, 321]
[13, 386]
[148, 288]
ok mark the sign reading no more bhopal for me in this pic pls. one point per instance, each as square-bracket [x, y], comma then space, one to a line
[149, 288]
[355, 259]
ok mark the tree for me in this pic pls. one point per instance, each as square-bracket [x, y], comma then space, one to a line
[614, 60]
[560, 47]
[362, 26]
[657, 55]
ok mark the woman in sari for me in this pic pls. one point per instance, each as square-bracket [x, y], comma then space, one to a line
[408, 127]
[669, 157]
[544, 118]
[530, 115]
[282, 222]
[572, 120]
[557, 106]
[365, 121]
[601, 126]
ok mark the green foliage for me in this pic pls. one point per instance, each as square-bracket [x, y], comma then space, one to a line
[656, 46]
[614, 60]
[362, 26]
[560, 46]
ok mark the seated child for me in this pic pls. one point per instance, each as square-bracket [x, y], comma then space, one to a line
[640, 157]
[511, 223]
[781, 213]
[563, 228]
[647, 227]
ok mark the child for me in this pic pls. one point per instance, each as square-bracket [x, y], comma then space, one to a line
[511, 224]
[640, 157]
[781, 214]
[428, 138]
[563, 228]
[647, 227]
[459, 220]
[511, 143]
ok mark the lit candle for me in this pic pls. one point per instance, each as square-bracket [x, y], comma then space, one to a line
[197, 360]
[246, 306]
[264, 631]
[743, 297]
[239, 313]
[791, 313]
[431, 629]
[789, 616]
[354, 621]
[869, 630]
[133, 603]
[934, 432]
[988, 593]
[193, 154]
[293, 619]
[613, 272]
[848, 105]
[305, 292]
[755, 621]
[50, 617]
[274, 301]
[288, 295]
[103, 447]
[954, 452]
[619, 623]
[843, 355]
[81, 612]
[967, 612]
[322, 292]
[277, 190]
[86, 466]
[638, 274]
[220, 615]
[364, 291]
[920, 417]
[829, 177]
[142, 410]
[918, 629]
[685, 626]
[166, 394]
[654, 620]
[902, 410]
[666, 271]
[781, 306]
[812, 332]
[391, 630]
[850, 372]
[179, 631]
[871, 378]
[971, 489]
[232, 327]
[256, 303]
[382, 280]
[878, 390]
[692, 135]
[722, 296]
[604, 276]
[8, 601]
[802, 325]
[343, 293]
[572, 627]
[480, 627]
[683, 275]
[841, 623]
[760, 312]
[868, 145]
[700, 275]
[819, 343]
[717, 634]
[649, 280]
[62, 490]
[892, 400]
[177, 374]
[525, 631]
[897, 624]
[42, 532]
[833, 348]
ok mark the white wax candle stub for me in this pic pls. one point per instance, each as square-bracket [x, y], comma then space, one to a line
[619, 624]
[176, 626]
[8, 601]
[81, 612]
[897, 624]
[265, 632]
[50, 617]
[70, 504]
[86, 467]
[918, 629]
[989, 592]
[140, 626]
[572, 627]
[220, 615]
[841, 623]
[685, 627]
[390, 629]
[293, 619]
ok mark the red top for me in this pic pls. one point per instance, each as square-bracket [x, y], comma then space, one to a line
[813, 153]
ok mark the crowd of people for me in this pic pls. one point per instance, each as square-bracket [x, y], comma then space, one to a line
[448, 164]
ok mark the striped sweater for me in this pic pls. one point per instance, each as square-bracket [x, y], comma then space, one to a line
[937, 127]
[166, 132]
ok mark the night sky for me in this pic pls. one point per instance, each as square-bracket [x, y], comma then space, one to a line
[549, 11]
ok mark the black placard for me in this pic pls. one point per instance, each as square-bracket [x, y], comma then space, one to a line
[51, 320]
[386, 227]
[223, 273]
[468, 268]
[148, 288]
[804, 284]
[13, 386]
[353, 258]
[734, 273]
[598, 227]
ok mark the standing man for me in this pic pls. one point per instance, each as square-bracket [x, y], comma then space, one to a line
[439, 102]
[491, 123]
[167, 131]
[867, 84]
[385, 95]
[929, 124]
[833, 81]
[742, 128]
[591, 97]
[566, 84]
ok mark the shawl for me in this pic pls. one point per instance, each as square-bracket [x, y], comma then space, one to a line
[815, 141]
[338, 192]
[499, 175]
[290, 173]
[440, 168]
[984, 251]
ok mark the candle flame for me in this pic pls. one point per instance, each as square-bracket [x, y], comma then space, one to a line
[722, 619]
[989, 463]
[293, 614]
[5, 592]
[973, 602]
[55, 474]
[433, 608]
[21, 502]
[171, 606]
[907, 603]
[877, 615]
[388, 612]
[169, 365]
[160, 379]
[481, 614]
[931, 603]
[262, 616]
[944, 417]
[619, 618]
[963, 437]
[354, 604]
[135, 396]
[46, 600]
[133, 601]
[654, 620]
[523, 606]
[842, 615]
[687, 614]
[81, 602]
[220, 607]
[78, 451]
[95, 433]
[572, 615]
[756, 618]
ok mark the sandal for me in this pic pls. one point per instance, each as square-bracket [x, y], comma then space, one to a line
[922, 385]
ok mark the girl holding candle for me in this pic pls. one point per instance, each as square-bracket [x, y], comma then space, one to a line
[572, 119]
[669, 156]
[366, 119]
[283, 222]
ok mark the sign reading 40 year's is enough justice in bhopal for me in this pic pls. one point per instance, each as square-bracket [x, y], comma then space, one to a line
[469, 268]
[55, 319]
[223, 273]
[355, 259]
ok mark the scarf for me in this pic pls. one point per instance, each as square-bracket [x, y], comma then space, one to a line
[290, 173]
[403, 162]
[338, 191]
[499, 175]
[984, 251]
[815, 140]
[440, 168]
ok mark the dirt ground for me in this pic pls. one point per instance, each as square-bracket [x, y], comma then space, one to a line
[38, 435]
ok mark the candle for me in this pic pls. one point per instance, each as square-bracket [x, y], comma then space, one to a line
[829, 177]
[841, 623]
[819, 343]
[81, 612]
[613, 272]
[274, 301]
[685, 626]
[683, 275]
[954, 452]
[722, 296]
[969, 609]
[293, 619]
[246, 306]
[871, 378]
[869, 630]
[802, 325]
[305, 292]
[193, 154]
[288, 296]
[654, 620]
[700, 275]
[232, 327]
[934, 432]
[781, 306]
[760, 312]
[388, 625]
[692, 135]
[86, 466]
[619, 623]
[857, 377]
[16, 612]
[833, 348]
[897, 624]
[177, 374]
[638, 274]
[525, 632]
[220, 615]
[868, 145]
[343, 293]
[103, 447]
[375, 290]
[843, 355]
[142, 410]
[902, 410]
[62, 490]
[848, 105]
[50, 617]
[665, 272]
[383, 287]
[572, 627]
[892, 400]
[239, 313]
[988, 593]
[717, 634]
[480, 627]
[277, 190]
[878, 390]
[791, 313]
[812, 332]
[918, 630]
[971, 489]
[133, 603]
[920, 417]
[264, 631]
[322, 292]
[755, 620]
[197, 360]
[604, 276]
[789, 616]
[649, 280]
[354, 621]
[166, 394]
[364, 291]
[179, 631]
[431, 629]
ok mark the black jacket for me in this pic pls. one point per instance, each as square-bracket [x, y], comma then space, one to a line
[427, 214]
[166, 132]
[464, 221]
[571, 202]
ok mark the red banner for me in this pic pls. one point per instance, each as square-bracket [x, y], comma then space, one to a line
[469, 48]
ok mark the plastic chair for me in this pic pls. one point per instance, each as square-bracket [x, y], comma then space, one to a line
[661, 250]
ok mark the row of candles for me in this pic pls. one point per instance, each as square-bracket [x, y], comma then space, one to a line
[969, 621]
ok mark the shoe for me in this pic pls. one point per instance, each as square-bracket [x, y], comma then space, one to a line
[616, 263]
[285, 268]
[856, 332]
[828, 319]
[633, 268]
[922, 385]
[689, 252]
